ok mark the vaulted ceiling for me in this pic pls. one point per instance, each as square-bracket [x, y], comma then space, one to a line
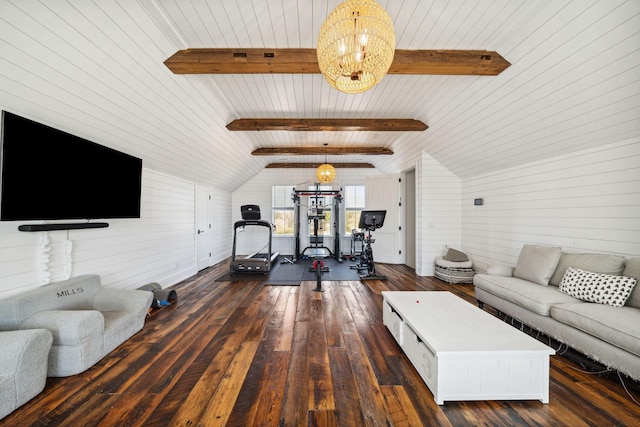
[96, 69]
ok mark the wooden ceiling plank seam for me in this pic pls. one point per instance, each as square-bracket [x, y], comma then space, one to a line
[562, 86]
[552, 135]
[94, 96]
[145, 109]
[505, 14]
[194, 20]
[474, 18]
[403, 12]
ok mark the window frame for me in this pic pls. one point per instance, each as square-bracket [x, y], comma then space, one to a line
[355, 207]
[287, 210]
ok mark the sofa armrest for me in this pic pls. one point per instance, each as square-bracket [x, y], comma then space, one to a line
[69, 327]
[128, 300]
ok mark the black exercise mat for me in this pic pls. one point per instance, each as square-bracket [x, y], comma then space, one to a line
[286, 274]
[337, 271]
[292, 274]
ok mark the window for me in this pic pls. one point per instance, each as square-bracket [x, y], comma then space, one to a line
[282, 209]
[353, 204]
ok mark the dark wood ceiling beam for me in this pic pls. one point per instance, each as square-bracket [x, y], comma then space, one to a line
[311, 151]
[328, 125]
[305, 61]
[315, 165]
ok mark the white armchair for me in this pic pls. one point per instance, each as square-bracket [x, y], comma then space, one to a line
[23, 366]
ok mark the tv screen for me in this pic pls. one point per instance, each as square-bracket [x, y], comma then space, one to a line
[48, 174]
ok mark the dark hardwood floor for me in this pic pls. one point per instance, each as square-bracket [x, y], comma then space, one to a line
[241, 353]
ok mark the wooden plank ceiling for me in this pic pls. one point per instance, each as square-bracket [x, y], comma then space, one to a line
[96, 69]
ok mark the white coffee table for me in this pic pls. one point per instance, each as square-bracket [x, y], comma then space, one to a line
[464, 353]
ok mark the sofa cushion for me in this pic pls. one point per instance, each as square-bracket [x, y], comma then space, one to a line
[538, 299]
[537, 263]
[596, 287]
[617, 326]
[598, 263]
[632, 269]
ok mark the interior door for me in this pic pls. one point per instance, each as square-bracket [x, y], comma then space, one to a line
[203, 227]
[382, 192]
[410, 218]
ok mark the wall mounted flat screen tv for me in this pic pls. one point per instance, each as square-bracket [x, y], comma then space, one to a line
[48, 174]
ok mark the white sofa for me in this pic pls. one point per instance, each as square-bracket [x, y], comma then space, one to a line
[532, 295]
[86, 319]
[23, 366]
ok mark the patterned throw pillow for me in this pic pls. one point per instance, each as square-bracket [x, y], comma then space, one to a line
[597, 287]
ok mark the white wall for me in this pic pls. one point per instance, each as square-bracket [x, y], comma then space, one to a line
[588, 201]
[438, 219]
[221, 214]
[158, 247]
[257, 191]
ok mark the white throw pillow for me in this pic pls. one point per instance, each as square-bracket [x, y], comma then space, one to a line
[537, 263]
[597, 287]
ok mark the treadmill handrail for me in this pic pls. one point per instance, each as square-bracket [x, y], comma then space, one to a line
[260, 222]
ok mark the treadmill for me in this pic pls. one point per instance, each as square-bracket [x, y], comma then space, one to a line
[259, 262]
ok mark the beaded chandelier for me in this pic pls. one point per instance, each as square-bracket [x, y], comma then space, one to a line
[356, 46]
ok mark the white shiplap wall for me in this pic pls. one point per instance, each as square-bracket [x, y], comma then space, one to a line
[438, 220]
[257, 191]
[221, 224]
[588, 201]
[158, 247]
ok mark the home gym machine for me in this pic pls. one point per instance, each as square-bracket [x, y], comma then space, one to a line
[369, 221]
[316, 215]
[259, 262]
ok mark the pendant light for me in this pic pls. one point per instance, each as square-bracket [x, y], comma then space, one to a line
[325, 172]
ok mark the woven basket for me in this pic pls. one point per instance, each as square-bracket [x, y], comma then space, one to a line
[450, 274]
